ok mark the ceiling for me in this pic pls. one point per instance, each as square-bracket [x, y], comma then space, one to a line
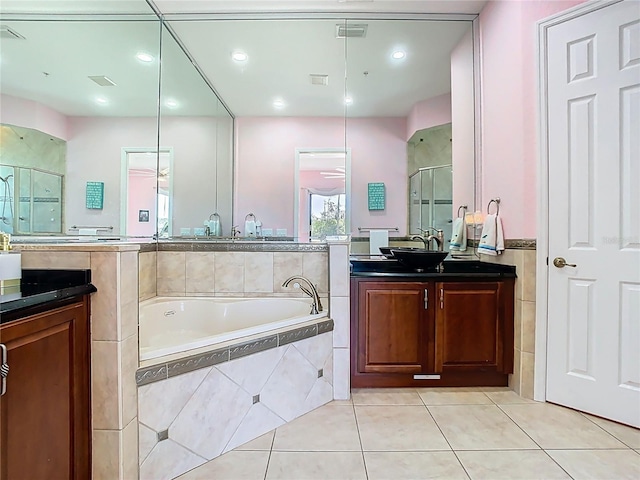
[52, 65]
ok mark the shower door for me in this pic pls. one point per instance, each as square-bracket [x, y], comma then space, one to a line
[431, 195]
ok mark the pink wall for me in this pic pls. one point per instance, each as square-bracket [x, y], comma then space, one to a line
[30, 114]
[509, 108]
[265, 160]
[142, 196]
[429, 113]
[94, 152]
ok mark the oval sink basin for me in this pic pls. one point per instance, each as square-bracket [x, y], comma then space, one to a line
[418, 258]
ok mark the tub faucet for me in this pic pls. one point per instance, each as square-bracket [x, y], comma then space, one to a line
[316, 306]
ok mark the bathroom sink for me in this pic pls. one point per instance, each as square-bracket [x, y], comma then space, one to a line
[418, 258]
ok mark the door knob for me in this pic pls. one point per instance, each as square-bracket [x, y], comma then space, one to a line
[561, 262]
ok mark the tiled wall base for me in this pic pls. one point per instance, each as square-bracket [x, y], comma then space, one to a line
[525, 316]
[212, 410]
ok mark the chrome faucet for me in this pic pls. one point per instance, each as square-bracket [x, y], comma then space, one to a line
[422, 239]
[438, 237]
[316, 306]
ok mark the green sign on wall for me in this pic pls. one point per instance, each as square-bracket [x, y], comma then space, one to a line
[376, 196]
[95, 195]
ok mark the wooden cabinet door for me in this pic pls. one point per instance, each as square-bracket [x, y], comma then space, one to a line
[392, 327]
[469, 326]
[45, 426]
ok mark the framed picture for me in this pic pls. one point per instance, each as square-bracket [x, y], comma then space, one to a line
[143, 215]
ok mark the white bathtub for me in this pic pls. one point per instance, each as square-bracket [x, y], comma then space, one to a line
[177, 324]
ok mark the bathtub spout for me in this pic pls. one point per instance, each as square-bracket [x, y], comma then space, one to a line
[316, 306]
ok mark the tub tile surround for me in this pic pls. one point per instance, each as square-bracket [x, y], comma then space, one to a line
[211, 410]
[114, 346]
[162, 371]
[232, 273]
[339, 311]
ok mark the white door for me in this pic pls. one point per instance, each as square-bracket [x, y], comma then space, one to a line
[593, 350]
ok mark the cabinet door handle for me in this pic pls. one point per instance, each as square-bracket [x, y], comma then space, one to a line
[426, 299]
[441, 298]
[4, 369]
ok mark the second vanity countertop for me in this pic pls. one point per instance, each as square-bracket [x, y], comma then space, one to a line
[451, 269]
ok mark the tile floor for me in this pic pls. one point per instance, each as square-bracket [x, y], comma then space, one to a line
[461, 433]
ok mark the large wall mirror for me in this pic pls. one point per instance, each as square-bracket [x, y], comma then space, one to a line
[368, 86]
[108, 130]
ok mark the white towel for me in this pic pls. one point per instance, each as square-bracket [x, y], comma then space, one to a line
[492, 237]
[249, 228]
[458, 236]
[377, 239]
[87, 231]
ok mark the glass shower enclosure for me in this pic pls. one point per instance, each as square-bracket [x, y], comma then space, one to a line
[431, 201]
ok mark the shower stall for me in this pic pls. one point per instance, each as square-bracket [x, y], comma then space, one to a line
[30, 200]
[431, 200]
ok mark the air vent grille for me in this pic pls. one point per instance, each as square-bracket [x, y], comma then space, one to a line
[317, 79]
[102, 80]
[351, 31]
[6, 32]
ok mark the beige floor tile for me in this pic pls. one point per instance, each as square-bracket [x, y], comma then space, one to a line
[263, 442]
[510, 465]
[234, 465]
[627, 435]
[328, 428]
[443, 397]
[556, 427]
[479, 427]
[507, 397]
[341, 402]
[398, 428]
[599, 464]
[413, 465]
[385, 396]
[316, 466]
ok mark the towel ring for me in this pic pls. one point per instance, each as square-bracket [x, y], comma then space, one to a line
[464, 209]
[497, 202]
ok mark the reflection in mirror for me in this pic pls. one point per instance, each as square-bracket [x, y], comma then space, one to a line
[146, 191]
[409, 110]
[288, 93]
[430, 180]
[32, 167]
[322, 179]
[198, 130]
[98, 95]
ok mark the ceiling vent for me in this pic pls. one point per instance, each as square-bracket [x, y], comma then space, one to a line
[6, 32]
[351, 31]
[102, 80]
[317, 79]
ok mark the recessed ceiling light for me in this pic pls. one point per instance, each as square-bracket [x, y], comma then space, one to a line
[398, 54]
[171, 103]
[101, 100]
[239, 56]
[348, 100]
[144, 57]
[278, 103]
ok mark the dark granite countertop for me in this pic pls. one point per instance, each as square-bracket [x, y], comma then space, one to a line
[41, 288]
[451, 269]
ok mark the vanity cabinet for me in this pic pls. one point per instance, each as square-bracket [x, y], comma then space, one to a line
[426, 332]
[45, 422]
[394, 319]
